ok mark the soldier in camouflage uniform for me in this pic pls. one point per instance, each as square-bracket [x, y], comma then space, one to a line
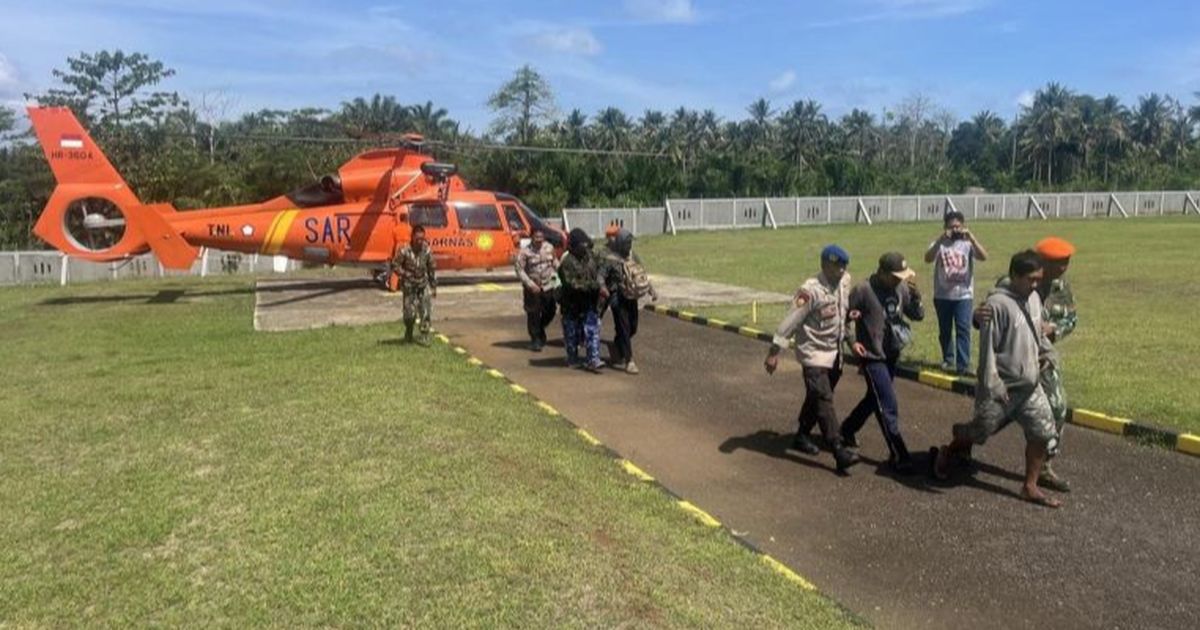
[1057, 304]
[414, 264]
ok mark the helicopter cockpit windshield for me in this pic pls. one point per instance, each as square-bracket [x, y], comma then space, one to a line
[535, 222]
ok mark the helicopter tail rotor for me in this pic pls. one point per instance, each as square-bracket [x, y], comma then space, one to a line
[92, 213]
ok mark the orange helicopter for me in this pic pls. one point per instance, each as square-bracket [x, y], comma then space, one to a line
[361, 215]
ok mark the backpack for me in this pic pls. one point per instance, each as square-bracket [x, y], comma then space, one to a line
[635, 282]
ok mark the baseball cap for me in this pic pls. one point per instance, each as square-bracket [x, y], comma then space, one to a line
[895, 264]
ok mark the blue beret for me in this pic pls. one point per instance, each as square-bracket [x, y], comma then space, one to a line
[833, 253]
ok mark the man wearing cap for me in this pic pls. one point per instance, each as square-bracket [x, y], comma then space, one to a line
[1057, 305]
[816, 323]
[883, 301]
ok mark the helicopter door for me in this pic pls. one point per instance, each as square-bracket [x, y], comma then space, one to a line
[433, 217]
[516, 225]
[480, 224]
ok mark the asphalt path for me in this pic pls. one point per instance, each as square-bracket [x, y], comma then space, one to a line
[905, 552]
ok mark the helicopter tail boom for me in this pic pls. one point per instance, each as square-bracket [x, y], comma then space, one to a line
[92, 213]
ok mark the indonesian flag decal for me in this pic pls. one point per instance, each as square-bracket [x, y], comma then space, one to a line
[70, 141]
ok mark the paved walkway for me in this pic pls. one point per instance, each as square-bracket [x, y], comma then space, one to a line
[706, 420]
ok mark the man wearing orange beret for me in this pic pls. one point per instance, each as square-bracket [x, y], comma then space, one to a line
[1058, 320]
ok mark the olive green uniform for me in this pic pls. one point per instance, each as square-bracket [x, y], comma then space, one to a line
[417, 278]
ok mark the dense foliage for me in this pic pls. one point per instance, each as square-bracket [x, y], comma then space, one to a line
[193, 154]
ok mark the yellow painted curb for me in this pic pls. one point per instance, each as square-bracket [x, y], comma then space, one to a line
[717, 323]
[746, 331]
[587, 437]
[488, 286]
[547, 408]
[936, 379]
[1097, 420]
[460, 350]
[632, 469]
[442, 338]
[704, 517]
[518, 389]
[791, 575]
[686, 316]
[1188, 443]
[475, 362]
[494, 373]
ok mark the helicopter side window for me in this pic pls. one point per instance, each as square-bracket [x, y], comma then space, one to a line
[513, 216]
[428, 215]
[478, 216]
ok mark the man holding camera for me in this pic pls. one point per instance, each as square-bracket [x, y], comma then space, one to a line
[954, 254]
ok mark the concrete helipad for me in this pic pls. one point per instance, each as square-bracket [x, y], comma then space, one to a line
[299, 304]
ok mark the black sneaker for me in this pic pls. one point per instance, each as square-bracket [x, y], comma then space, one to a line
[845, 458]
[804, 444]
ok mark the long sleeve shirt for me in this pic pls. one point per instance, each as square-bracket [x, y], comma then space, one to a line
[816, 321]
[1011, 346]
[880, 307]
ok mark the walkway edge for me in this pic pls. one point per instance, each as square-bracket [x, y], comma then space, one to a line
[1186, 443]
[702, 517]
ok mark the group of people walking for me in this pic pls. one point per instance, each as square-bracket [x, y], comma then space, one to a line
[1019, 376]
[585, 284]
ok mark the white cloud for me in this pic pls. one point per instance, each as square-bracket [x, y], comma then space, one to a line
[676, 11]
[1025, 98]
[783, 81]
[10, 80]
[897, 10]
[567, 39]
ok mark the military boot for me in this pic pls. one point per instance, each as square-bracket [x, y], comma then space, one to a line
[408, 336]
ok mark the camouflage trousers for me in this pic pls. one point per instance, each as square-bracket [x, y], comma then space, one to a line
[1052, 385]
[418, 305]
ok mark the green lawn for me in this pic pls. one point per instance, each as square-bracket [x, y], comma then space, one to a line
[1134, 353]
[163, 464]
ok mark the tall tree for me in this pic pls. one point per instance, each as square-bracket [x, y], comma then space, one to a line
[522, 104]
[107, 89]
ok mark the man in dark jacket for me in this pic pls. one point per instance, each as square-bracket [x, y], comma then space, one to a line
[583, 291]
[883, 300]
[625, 294]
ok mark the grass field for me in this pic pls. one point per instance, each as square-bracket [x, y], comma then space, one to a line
[163, 464]
[1136, 352]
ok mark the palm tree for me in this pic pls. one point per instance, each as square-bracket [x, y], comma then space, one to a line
[652, 130]
[1048, 124]
[380, 114]
[1111, 127]
[760, 128]
[1151, 123]
[804, 130]
[859, 127]
[613, 129]
[433, 123]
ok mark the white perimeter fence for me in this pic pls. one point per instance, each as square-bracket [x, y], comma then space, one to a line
[772, 212]
[39, 267]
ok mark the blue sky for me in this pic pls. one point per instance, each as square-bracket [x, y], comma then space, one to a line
[966, 55]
